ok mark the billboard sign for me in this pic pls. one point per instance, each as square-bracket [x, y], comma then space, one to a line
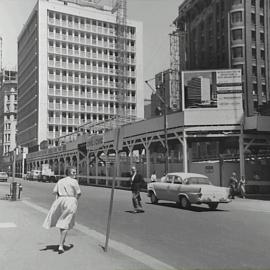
[212, 89]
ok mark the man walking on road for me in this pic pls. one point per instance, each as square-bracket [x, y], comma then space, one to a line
[136, 182]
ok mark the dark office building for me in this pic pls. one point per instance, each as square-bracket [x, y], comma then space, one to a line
[230, 34]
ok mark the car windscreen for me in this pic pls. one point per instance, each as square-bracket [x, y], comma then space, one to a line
[3, 173]
[197, 181]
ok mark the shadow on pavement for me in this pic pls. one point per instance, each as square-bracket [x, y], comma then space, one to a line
[133, 212]
[54, 248]
[193, 208]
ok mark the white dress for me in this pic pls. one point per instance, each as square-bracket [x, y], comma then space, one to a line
[63, 210]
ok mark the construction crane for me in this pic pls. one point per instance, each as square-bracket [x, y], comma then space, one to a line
[120, 8]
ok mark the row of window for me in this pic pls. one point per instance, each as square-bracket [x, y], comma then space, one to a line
[7, 126]
[93, 104]
[57, 60]
[80, 36]
[9, 96]
[238, 17]
[89, 76]
[7, 138]
[238, 52]
[253, 2]
[83, 22]
[6, 149]
[69, 48]
[238, 34]
[9, 108]
[78, 90]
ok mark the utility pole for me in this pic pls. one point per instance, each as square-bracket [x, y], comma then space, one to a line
[165, 127]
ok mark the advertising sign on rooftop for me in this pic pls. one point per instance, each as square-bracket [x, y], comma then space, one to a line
[220, 89]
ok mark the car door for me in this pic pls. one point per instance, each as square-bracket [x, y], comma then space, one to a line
[161, 188]
[166, 191]
[175, 188]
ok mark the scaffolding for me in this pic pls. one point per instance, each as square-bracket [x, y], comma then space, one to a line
[175, 69]
[120, 8]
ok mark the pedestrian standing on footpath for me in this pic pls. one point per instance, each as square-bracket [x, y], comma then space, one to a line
[63, 209]
[233, 184]
[154, 177]
[242, 187]
[136, 183]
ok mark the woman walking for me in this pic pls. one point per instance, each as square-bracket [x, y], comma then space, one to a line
[63, 209]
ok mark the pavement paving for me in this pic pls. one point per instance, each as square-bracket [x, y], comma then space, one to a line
[25, 245]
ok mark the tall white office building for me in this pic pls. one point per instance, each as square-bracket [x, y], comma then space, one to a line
[67, 69]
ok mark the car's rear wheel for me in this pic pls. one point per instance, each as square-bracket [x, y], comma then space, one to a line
[184, 202]
[213, 206]
[153, 198]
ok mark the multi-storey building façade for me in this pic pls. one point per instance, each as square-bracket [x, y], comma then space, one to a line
[8, 111]
[230, 34]
[67, 69]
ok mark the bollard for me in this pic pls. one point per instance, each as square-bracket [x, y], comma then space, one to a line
[13, 190]
[19, 190]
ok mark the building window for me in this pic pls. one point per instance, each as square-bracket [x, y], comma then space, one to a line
[237, 52]
[254, 70]
[237, 17]
[254, 56]
[253, 18]
[261, 20]
[263, 71]
[262, 37]
[253, 3]
[263, 54]
[253, 35]
[237, 34]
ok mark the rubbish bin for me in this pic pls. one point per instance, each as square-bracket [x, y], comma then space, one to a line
[13, 191]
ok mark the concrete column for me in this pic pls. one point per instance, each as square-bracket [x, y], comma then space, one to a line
[96, 165]
[147, 153]
[242, 155]
[87, 167]
[185, 152]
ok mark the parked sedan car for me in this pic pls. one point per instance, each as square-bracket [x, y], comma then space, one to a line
[3, 176]
[186, 189]
[35, 175]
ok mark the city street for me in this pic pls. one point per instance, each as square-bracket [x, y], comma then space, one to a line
[234, 236]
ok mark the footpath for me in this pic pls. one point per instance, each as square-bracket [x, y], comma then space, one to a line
[25, 245]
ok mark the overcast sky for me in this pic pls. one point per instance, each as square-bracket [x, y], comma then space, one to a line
[156, 15]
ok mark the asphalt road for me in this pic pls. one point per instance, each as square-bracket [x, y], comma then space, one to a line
[235, 236]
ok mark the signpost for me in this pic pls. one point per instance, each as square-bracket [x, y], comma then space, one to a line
[118, 144]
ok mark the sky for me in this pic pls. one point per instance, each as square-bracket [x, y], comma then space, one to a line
[157, 17]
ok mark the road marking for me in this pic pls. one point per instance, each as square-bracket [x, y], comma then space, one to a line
[145, 259]
[6, 225]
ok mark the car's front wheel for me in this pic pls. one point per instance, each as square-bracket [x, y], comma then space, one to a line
[213, 206]
[184, 202]
[153, 198]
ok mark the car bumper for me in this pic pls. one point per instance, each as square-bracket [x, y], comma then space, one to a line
[212, 200]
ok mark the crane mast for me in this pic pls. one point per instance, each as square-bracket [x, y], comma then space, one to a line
[120, 8]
